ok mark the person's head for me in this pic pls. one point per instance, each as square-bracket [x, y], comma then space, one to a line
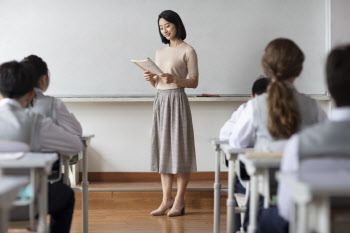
[16, 82]
[338, 75]
[41, 79]
[283, 62]
[170, 26]
[260, 85]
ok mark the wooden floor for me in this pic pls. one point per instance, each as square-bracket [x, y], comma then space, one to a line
[128, 211]
[140, 221]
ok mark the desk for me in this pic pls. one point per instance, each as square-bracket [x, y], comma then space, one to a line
[231, 156]
[9, 187]
[258, 167]
[217, 185]
[314, 190]
[42, 164]
[85, 183]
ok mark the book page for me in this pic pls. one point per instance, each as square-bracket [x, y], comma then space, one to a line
[148, 65]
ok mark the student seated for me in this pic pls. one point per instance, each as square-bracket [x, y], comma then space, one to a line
[40, 133]
[50, 106]
[259, 87]
[280, 112]
[324, 140]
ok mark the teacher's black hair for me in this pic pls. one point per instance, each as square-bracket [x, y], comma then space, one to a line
[172, 17]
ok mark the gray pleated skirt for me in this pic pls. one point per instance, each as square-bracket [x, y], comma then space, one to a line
[173, 149]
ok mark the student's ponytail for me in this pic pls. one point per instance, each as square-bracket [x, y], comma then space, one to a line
[282, 60]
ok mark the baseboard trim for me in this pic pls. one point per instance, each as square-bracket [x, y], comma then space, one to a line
[145, 176]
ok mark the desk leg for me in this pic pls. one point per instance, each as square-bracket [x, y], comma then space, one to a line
[231, 198]
[85, 190]
[324, 216]
[3, 220]
[217, 192]
[302, 218]
[253, 203]
[66, 171]
[43, 202]
[292, 224]
[267, 197]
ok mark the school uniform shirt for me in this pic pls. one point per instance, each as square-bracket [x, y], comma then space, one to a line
[290, 162]
[50, 136]
[254, 117]
[62, 116]
[227, 129]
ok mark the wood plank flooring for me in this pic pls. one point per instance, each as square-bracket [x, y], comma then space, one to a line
[140, 221]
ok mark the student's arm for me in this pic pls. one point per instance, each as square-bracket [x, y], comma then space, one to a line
[226, 130]
[243, 134]
[289, 163]
[67, 119]
[55, 138]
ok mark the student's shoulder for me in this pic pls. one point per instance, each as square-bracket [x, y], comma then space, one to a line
[315, 129]
[32, 115]
[304, 98]
[259, 100]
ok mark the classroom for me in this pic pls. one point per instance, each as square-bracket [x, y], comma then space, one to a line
[110, 157]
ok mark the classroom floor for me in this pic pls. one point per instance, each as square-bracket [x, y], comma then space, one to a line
[128, 211]
[132, 221]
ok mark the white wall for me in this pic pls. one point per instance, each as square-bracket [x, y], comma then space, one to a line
[123, 130]
[340, 22]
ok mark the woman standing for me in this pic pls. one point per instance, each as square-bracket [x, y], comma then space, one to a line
[173, 150]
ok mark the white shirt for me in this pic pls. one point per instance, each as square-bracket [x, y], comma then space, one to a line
[290, 162]
[244, 133]
[53, 137]
[228, 127]
[66, 119]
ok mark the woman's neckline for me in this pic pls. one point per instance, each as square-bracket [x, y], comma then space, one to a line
[177, 45]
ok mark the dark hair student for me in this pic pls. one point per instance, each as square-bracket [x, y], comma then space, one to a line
[39, 65]
[260, 85]
[282, 61]
[338, 75]
[16, 79]
[172, 17]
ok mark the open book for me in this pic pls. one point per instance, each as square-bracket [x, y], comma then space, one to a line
[148, 64]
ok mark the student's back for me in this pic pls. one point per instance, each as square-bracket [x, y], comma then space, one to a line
[324, 146]
[259, 87]
[308, 109]
[18, 124]
[47, 105]
[282, 111]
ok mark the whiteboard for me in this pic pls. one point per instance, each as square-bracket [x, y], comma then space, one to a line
[88, 44]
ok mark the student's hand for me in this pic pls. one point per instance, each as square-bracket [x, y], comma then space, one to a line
[148, 75]
[168, 78]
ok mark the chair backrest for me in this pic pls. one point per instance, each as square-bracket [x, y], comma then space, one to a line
[13, 146]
